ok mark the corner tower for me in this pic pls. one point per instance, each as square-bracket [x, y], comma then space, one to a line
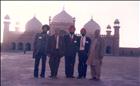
[116, 37]
[6, 33]
[6, 28]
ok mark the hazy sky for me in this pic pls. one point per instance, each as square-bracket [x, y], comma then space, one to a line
[103, 12]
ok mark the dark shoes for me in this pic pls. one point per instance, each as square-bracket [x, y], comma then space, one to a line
[79, 77]
[53, 77]
[35, 77]
[82, 77]
[95, 79]
[70, 76]
[40, 76]
[50, 76]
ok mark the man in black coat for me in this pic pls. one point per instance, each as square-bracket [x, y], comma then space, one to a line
[71, 48]
[84, 46]
[40, 50]
[56, 51]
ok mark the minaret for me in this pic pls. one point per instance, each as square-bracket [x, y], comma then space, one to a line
[6, 28]
[116, 37]
[6, 34]
[116, 28]
[108, 31]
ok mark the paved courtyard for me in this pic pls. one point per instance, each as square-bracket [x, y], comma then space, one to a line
[17, 70]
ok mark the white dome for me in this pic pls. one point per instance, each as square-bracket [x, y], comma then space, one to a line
[33, 25]
[63, 17]
[91, 26]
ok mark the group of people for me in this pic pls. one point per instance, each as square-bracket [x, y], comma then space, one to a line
[90, 52]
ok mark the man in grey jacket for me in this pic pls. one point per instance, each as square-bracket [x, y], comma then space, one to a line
[40, 50]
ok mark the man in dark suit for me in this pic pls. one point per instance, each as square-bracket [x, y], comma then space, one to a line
[56, 51]
[40, 50]
[84, 46]
[71, 48]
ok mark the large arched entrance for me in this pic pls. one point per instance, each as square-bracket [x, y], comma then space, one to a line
[20, 46]
[13, 46]
[108, 50]
[28, 46]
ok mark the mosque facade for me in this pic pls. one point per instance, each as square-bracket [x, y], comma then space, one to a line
[17, 41]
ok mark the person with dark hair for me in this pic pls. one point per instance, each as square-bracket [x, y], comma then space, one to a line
[71, 48]
[96, 56]
[84, 45]
[40, 50]
[56, 51]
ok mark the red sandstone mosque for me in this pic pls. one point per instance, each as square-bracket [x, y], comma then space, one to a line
[16, 41]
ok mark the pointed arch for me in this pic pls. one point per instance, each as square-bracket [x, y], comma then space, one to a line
[13, 46]
[20, 46]
[108, 50]
[28, 46]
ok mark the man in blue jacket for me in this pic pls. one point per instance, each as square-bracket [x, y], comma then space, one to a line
[84, 46]
[71, 48]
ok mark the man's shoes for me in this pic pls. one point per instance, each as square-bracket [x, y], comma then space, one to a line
[91, 79]
[83, 77]
[53, 77]
[42, 76]
[70, 77]
[67, 76]
[79, 77]
[50, 76]
[35, 77]
[95, 79]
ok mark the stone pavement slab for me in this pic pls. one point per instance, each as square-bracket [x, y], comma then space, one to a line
[17, 70]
